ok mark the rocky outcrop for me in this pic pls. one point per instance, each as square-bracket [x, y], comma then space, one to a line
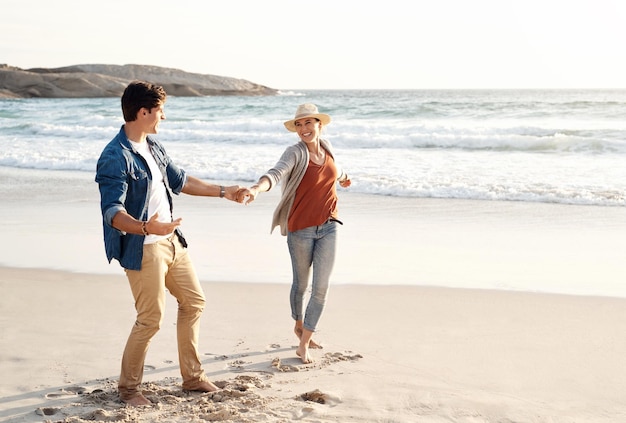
[95, 80]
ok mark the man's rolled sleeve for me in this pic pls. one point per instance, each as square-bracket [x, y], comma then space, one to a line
[110, 213]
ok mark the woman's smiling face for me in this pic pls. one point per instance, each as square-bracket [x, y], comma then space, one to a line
[308, 128]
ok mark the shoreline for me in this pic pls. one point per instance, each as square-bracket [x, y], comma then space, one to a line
[534, 247]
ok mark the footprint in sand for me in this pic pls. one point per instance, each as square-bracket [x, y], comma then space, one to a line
[221, 357]
[237, 364]
[47, 411]
[66, 392]
[105, 416]
[147, 368]
[336, 357]
[284, 367]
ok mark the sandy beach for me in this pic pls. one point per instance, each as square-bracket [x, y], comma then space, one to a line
[440, 311]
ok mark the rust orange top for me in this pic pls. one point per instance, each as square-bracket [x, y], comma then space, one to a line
[316, 196]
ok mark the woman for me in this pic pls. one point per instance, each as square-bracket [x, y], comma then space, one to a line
[307, 215]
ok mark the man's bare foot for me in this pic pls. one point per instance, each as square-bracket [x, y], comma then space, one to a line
[205, 386]
[303, 353]
[137, 401]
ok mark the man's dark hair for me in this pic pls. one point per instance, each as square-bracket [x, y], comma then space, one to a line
[140, 94]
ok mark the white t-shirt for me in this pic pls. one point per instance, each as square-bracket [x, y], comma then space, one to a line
[157, 202]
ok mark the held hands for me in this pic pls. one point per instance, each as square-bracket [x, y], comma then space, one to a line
[346, 182]
[232, 193]
[241, 194]
[247, 195]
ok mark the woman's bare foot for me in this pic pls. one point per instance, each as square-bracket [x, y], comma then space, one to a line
[303, 353]
[314, 345]
[298, 331]
[303, 348]
[137, 401]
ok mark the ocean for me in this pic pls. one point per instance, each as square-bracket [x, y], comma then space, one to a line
[551, 146]
[506, 189]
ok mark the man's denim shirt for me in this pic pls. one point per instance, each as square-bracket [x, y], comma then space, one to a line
[124, 180]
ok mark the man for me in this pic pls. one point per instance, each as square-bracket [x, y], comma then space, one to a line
[136, 179]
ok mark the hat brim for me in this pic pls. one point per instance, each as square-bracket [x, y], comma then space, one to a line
[322, 117]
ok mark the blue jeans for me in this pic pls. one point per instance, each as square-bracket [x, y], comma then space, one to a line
[313, 247]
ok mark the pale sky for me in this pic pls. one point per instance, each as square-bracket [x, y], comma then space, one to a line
[333, 44]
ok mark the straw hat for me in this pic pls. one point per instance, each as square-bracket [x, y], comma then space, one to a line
[304, 111]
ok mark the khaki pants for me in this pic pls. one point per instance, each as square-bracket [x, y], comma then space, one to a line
[165, 264]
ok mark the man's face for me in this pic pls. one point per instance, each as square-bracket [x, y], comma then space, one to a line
[151, 119]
